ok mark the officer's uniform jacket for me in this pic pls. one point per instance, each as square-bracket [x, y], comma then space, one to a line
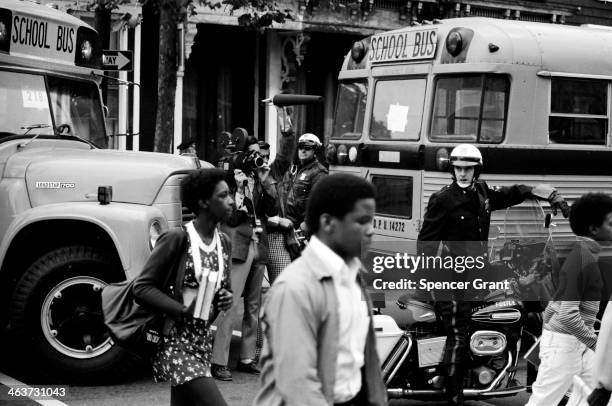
[459, 217]
[299, 185]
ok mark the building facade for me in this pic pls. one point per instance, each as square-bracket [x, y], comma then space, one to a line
[227, 70]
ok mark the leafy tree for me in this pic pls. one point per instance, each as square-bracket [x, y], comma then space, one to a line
[255, 14]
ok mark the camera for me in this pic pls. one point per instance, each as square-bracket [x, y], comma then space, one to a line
[248, 161]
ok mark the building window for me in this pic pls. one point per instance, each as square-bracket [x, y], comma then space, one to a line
[578, 111]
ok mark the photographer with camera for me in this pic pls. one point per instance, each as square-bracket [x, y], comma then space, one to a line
[247, 173]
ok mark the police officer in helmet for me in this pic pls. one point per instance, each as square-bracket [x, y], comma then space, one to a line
[458, 218]
[302, 177]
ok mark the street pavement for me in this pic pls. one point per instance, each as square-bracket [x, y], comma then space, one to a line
[239, 392]
[144, 392]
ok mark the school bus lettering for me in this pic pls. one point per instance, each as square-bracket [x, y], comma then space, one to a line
[394, 47]
[65, 39]
[424, 44]
[32, 36]
[417, 44]
[29, 31]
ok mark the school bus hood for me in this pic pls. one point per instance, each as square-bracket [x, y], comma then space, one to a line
[62, 175]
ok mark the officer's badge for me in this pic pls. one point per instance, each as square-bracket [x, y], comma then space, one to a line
[303, 177]
[487, 206]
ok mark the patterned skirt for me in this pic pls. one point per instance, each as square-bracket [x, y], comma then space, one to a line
[185, 353]
[278, 256]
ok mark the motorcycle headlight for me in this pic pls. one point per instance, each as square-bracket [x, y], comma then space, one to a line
[155, 230]
[486, 342]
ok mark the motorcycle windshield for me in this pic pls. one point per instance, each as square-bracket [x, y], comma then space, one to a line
[521, 250]
[524, 224]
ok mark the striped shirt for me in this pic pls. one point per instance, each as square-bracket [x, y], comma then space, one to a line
[579, 294]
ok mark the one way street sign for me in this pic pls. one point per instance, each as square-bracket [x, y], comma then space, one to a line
[117, 60]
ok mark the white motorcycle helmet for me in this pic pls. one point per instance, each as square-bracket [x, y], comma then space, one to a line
[466, 155]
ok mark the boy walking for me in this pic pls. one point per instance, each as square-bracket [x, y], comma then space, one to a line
[568, 340]
[320, 347]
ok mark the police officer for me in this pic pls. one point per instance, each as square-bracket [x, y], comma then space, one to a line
[300, 180]
[458, 216]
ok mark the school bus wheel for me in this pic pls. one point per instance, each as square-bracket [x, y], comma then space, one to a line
[56, 319]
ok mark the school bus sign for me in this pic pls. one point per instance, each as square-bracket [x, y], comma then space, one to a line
[403, 46]
[34, 36]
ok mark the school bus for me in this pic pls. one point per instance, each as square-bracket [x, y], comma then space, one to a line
[73, 215]
[534, 98]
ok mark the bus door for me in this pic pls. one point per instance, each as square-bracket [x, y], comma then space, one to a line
[397, 203]
[396, 228]
[393, 153]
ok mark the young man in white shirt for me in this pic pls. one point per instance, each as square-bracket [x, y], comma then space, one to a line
[320, 345]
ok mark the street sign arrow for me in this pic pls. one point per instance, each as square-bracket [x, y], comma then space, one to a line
[114, 60]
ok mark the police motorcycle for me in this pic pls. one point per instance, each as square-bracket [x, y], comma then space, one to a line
[524, 258]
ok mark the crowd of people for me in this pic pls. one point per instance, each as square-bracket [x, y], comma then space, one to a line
[246, 223]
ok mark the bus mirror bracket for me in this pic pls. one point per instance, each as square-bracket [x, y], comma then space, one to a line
[119, 81]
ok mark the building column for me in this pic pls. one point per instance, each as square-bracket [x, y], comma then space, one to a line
[273, 78]
[178, 96]
[328, 115]
[123, 96]
[257, 86]
[136, 90]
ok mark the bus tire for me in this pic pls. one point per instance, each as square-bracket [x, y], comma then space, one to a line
[56, 319]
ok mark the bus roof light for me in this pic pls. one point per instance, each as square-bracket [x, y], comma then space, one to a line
[86, 50]
[3, 32]
[358, 51]
[454, 43]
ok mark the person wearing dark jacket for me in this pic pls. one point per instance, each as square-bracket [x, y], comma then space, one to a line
[458, 218]
[184, 355]
[299, 181]
[246, 226]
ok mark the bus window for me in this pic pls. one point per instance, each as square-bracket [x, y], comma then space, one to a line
[470, 108]
[398, 108]
[350, 109]
[578, 111]
[77, 104]
[24, 100]
[393, 195]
